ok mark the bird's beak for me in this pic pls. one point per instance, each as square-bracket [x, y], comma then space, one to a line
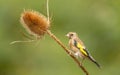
[67, 35]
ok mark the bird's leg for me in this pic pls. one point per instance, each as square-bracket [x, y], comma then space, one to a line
[82, 60]
[70, 52]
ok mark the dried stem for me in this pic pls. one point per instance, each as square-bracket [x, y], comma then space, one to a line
[67, 51]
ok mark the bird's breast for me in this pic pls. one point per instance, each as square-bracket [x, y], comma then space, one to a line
[72, 47]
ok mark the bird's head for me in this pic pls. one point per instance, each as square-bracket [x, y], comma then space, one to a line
[71, 35]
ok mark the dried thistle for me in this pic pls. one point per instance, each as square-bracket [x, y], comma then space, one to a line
[35, 23]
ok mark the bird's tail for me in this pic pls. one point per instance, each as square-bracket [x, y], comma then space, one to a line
[93, 60]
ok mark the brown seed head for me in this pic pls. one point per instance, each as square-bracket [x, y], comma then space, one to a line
[34, 22]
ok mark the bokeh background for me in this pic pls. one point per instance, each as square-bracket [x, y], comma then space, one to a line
[96, 21]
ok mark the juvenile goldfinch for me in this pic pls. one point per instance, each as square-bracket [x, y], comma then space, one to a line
[78, 48]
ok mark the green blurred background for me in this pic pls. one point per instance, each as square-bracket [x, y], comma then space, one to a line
[96, 21]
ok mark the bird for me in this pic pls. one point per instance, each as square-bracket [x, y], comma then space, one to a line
[79, 49]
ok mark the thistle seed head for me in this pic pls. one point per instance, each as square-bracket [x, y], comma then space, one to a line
[35, 23]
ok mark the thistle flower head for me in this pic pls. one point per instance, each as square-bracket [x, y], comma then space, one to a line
[34, 22]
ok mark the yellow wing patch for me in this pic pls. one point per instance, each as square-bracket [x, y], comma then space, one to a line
[81, 49]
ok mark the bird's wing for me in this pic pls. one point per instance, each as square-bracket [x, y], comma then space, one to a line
[81, 48]
[84, 51]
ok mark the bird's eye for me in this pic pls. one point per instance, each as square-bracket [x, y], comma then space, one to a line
[71, 34]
